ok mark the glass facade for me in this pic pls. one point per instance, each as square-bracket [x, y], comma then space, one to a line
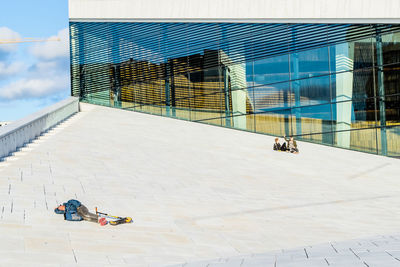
[333, 84]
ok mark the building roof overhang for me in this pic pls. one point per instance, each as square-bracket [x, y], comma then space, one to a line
[257, 11]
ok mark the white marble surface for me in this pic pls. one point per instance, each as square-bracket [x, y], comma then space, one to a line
[295, 11]
[195, 192]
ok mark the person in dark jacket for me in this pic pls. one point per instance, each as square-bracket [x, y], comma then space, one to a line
[74, 210]
[277, 145]
[291, 145]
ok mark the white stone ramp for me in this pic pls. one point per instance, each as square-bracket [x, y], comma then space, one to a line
[195, 192]
[374, 251]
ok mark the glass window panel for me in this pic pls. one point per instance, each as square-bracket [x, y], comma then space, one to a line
[235, 76]
[353, 85]
[270, 97]
[183, 96]
[240, 105]
[202, 115]
[391, 78]
[325, 138]
[151, 109]
[274, 123]
[249, 74]
[361, 140]
[213, 121]
[354, 114]
[391, 48]
[181, 113]
[240, 102]
[309, 63]
[271, 70]
[227, 121]
[312, 119]
[195, 62]
[392, 140]
[200, 71]
[236, 103]
[244, 122]
[207, 99]
[392, 108]
[351, 56]
[312, 91]
[181, 91]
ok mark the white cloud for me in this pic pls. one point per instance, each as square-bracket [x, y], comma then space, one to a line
[41, 80]
[12, 68]
[45, 77]
[53, 49]
[34, 87]
[8, 34]
[46, 66]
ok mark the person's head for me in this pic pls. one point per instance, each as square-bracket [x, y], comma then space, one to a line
[276, 140]
[291, 138]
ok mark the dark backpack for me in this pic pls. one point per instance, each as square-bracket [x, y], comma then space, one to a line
[71, 210]
[277, 146]
[283, 147]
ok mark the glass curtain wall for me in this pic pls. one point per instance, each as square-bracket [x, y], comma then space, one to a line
[333, 84]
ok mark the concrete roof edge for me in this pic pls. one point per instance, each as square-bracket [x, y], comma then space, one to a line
[12, 127]
[252, 20]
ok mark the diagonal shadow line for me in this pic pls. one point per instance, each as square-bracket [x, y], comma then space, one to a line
[230, 214]
[369, 170]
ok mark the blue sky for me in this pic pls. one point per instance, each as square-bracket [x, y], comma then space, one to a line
[33, 75]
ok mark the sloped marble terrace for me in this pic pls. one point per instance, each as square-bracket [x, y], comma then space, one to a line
[199, 195]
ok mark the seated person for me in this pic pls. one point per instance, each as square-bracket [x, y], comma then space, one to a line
[292, 145]
[277, 145]
[284, 147]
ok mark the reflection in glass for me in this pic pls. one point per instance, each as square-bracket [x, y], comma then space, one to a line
[351, 56]
[311, 91]
[206, 99]
[325, 138]
[353, 85]
[271, 70]
[391, 77]
[243, 122]
[392, 110]
[354, 114]
[309, 63]
[325, 83]
[361, 140]
[391, 48]
[393, 141]
[275, 123]
[312, 119]
[271, 97]
[249, 74]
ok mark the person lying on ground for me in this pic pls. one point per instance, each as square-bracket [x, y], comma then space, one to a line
[74, 210]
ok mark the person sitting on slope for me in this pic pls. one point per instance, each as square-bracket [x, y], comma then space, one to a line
[292, 145]
[277, 145]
